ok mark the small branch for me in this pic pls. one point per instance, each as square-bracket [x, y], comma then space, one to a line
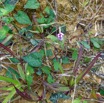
[91, 65]
[78, 60]
[75, 85]
[7, 49]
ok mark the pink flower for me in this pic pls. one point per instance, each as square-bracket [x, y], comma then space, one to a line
[60, 36]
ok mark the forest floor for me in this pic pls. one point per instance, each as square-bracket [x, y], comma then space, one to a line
[56, 56]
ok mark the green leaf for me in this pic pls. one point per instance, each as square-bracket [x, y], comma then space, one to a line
[56, 65]
[21, 72]
[50, 79]
[49, 19]
[34, 42]
[22, 31]
[3, 32]
[85, 101]
[55, 96]
[46, 70]
[11, 73]
[7, 88]
[9, 96]
[41, 20]
[52, 37]
[75, 55]
[7, 79]
[95, 42]
[49, 11]
[29, 69]
[35, 62]
[87, 59]
[63, 29]
[32, 4]
[7, 9]
[63, 88]
[14, 60]
[85, 3]
[53, 30]
[22, 18]
[85, 44]
[65, 60]
[77, 100]
[12, 2]
[29, 72]
[49, 52]
[7, 19]
[34, 59]
[29, 80]
[39, 72]
[102, 91]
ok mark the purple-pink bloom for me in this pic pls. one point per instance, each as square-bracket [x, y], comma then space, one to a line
[60, 36]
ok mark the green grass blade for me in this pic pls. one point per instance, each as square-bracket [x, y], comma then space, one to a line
[11, 94]
[6, 79]
[21, 72]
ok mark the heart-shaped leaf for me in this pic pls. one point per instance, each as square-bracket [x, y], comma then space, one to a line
[22, 18]
[32, 4]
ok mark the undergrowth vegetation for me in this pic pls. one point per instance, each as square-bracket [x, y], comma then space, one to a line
[47, 55]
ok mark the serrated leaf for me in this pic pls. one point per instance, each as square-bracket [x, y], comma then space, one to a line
[22, 18]
[32, 4]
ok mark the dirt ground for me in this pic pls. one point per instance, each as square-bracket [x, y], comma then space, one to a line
[70, 14]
